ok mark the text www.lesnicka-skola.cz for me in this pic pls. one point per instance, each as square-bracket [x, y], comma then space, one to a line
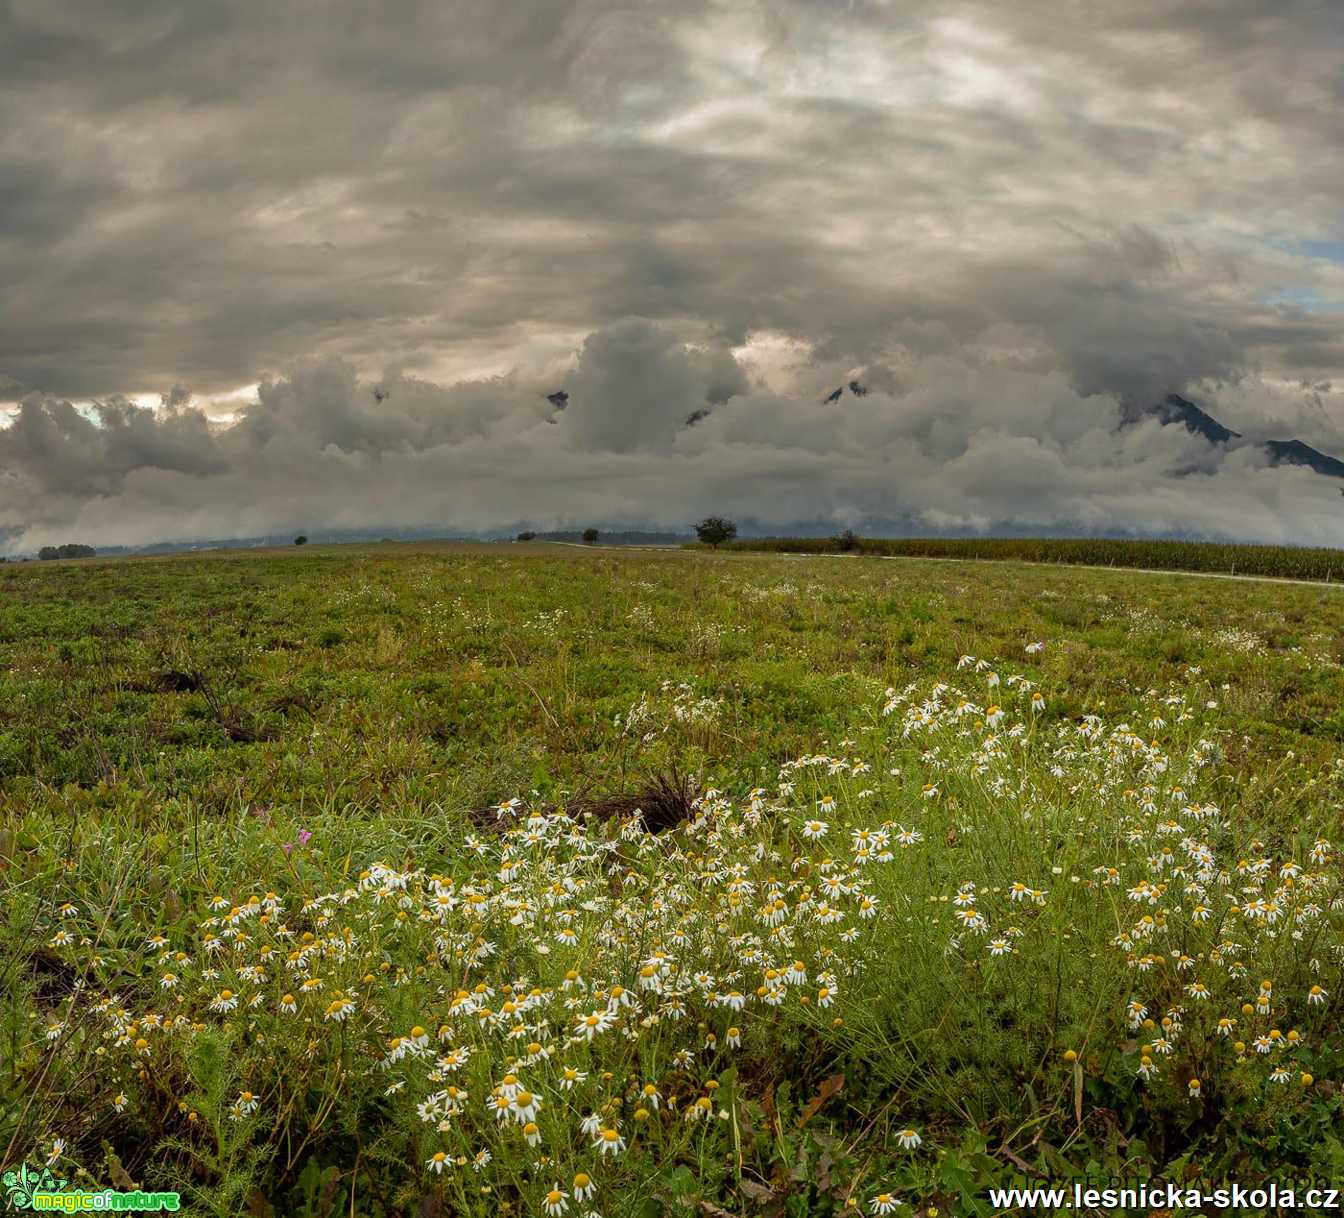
[1158, 1195]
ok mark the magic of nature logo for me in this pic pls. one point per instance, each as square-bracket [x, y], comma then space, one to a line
[31, 1188]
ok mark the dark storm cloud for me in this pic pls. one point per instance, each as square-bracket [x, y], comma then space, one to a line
[663, 209]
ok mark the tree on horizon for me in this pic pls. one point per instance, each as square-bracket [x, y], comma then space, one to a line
[715, 530]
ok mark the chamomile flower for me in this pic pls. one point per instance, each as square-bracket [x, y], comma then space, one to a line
[525, 1106]
[608, 1141]
[339, 1009]
[595, 1023]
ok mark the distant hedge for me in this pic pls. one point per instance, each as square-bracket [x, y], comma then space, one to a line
[70, 550]
[1283, 562]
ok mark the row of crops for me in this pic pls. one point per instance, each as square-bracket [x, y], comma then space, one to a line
[1284, 562]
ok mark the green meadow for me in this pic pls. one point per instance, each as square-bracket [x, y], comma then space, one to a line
[547, 880]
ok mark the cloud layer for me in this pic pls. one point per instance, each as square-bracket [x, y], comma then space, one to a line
[1012, 222]
[954, 446]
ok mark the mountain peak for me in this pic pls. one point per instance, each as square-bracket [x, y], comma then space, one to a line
[1295, 452]
[1176, 409]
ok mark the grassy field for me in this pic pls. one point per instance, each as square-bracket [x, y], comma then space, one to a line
[327, 889]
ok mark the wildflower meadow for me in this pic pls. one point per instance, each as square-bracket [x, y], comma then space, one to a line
[512, 880]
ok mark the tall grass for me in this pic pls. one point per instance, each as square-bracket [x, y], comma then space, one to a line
[973, 934]
[293, 755]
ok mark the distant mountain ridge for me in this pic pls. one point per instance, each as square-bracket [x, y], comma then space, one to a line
[1295, 452]
[1174, 409]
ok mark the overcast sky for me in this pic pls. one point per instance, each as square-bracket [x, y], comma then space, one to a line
[290, 264]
